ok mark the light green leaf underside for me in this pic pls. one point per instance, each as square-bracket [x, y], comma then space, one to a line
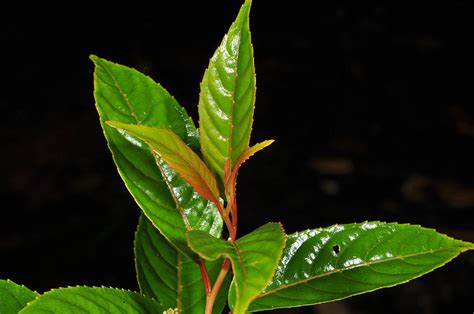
[254, 258]
[177, 155]
[128, 96]
[14, 297]
[323, 265]
[75, 300]
[169, 276]
[226, 101]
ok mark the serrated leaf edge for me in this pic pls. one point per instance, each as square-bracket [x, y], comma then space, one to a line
[96, 60]
[21, 285]
[90, 287]
[285, 238]
[204, 173]
[220, 172]
[466, 247]
[235, 246]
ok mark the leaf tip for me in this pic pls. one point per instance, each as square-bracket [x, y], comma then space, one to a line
[95, 59]
[244, 12]
[247, 3]
[115, 124]
[468, 245]
[268, 142]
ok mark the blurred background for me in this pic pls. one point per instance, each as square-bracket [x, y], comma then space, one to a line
[370, 104]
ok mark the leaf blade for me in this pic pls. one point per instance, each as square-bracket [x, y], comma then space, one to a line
[128, 96]
[325, 275]
[230, 175]
[170, 277]
[254, 258]
[227, 97]
[92, 300]
[178, 155]
[14, 297]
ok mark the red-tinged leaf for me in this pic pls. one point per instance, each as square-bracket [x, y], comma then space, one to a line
[231, 176]
[177, 155]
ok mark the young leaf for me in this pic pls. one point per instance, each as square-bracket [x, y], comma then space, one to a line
[92, 300]
[231, 174]
[126, 95]
[177, 155]
[323, 265]
[254, 258]
[226, 101]
[14, 297]
[169, 276]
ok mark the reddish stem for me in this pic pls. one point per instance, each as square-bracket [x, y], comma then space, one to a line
[205, 277]
[231, 225]
[234, 219]
[225, 217]
[217, 286]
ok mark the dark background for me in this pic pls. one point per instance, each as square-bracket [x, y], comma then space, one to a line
[370, 104]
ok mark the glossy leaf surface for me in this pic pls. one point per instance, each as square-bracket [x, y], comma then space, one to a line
[14, 297]
[92, 300]
[170, 277]
[128, 96]
[226, 101]
[177, 155]
[254, 259]
[323, 265]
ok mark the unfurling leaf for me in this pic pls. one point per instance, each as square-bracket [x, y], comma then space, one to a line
[231, 174]
[177, 155]
[328, 264]
[254, 258]
[226, 101]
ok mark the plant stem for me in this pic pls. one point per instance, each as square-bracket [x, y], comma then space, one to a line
[226, 219]
[234, 219]
[211, 298]
[231, 224]
[205, 277]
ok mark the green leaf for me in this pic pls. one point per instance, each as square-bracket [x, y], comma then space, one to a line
[169, 276]
[126, 95]
[75, 300]
[323, 265]
[177, 155]
[254, 258]
[226, 101]
[14, 297]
